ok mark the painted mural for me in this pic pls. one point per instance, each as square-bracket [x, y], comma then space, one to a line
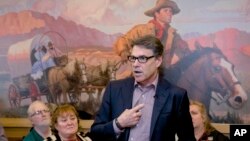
[64, 52]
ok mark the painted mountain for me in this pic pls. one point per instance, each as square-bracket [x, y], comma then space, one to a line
[17, 29]
[230, 40]
[24, 25]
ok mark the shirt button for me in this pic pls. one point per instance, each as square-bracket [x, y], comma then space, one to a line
[132, 139]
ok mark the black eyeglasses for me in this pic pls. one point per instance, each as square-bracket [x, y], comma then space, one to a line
[141, 59]
[40, 112]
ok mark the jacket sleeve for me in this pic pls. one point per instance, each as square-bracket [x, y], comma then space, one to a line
[102, 128]
[185, 130]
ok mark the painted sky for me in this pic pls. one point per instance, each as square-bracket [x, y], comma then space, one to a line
[113, 16]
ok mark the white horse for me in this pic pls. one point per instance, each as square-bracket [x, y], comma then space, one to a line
[62, 80]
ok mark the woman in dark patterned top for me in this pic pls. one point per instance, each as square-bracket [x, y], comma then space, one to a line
[203, 129]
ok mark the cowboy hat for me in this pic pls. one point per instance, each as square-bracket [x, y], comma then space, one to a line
[162, 4]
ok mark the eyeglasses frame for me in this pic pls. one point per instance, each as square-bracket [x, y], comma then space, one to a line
[39, 112]
[138, 58]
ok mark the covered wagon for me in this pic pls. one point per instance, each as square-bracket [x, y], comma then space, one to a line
[29, 61]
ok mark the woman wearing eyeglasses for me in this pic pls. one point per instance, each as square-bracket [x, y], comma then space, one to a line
[65, 125]
[39, 116]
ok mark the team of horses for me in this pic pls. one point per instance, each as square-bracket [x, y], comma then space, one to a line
[75, 77]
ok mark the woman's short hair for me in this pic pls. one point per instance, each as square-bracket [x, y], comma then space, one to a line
[60, 110]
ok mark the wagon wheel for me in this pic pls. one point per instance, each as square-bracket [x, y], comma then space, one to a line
[58, 42]
[14, 96]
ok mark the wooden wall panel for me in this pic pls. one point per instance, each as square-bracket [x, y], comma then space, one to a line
[16, 128]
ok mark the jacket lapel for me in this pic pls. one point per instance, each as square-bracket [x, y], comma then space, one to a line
[127, 93]
[161, 97]
[127, 98]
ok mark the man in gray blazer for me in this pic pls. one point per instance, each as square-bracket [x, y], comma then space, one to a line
[144, 107]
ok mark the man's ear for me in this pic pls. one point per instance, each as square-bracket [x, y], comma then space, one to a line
[31, 121]
[158, 61]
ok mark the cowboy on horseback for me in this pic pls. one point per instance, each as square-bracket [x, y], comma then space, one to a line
[174, 46]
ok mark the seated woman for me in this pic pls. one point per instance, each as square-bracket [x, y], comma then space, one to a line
[65, 125]
[203, 129]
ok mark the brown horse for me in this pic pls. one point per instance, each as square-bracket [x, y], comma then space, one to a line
[101, 74]
[95, 79]
[204, 71]
[64, 80]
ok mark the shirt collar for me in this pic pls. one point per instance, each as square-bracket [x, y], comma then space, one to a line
[154, 83]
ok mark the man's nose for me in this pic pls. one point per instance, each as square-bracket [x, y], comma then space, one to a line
[136, 63]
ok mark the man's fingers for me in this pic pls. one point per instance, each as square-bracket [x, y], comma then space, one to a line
[138, 107]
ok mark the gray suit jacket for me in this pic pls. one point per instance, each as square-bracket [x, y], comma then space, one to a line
[170, 112]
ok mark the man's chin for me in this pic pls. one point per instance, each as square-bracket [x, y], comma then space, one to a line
[139, 80]
[45, 123]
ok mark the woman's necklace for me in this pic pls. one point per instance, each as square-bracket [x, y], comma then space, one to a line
[72, 140]
[75, 139]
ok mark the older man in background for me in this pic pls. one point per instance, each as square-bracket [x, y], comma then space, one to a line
[40, 118]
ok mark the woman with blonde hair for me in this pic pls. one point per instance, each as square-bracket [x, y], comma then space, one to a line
[203, 129]
[65, 125]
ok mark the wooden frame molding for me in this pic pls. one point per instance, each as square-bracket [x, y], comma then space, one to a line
[19, 127]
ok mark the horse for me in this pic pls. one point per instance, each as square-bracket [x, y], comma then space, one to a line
[95, 78]
[63, 80]
[204, 71]
[101, 74]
